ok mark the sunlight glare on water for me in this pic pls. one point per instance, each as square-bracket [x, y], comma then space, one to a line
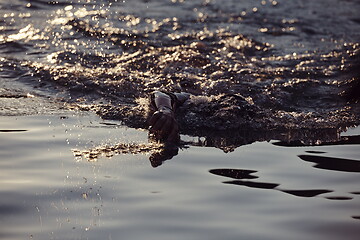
[269, 150]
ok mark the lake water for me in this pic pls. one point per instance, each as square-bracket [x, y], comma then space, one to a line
[259, 65]
[259, 191]
[270, 144]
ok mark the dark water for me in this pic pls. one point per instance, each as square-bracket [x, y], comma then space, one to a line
[258, 65]
[278, 78]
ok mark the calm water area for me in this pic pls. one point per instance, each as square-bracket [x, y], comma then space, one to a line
[258, 191]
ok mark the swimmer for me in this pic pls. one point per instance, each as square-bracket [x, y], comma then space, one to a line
[163, 124]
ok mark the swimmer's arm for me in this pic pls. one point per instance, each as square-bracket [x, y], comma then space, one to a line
[163, 102]
[162, 123]
[169, 100]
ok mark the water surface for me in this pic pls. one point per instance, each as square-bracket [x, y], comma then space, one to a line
[261, 190]
[261, 65]
[269, 150]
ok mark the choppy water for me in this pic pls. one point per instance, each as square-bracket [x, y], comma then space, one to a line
[296, 63]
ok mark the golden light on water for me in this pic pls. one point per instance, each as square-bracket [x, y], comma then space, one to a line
[269, 66]
[28, 32]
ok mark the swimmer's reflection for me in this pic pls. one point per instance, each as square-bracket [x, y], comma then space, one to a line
[164, 134]
[163, 154]
[161, 151]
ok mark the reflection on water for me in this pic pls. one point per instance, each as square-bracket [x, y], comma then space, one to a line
[335, 164]
[12, 130]
[306, 193]
[338, 140]
[47, 192]
[321, 162]
[262, 185]
[234, 173]
[245, 174]
[258, 71]
[229, 141]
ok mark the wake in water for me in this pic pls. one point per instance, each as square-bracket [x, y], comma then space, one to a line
[256, 71]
